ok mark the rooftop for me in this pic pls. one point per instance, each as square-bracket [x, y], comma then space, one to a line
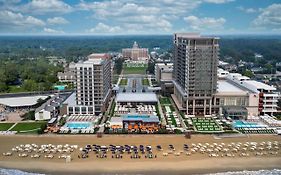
[21, 101]
[98, 56]
[226, 87]
[259, 85]
[136, 97]
[71, 100]
[194, 35]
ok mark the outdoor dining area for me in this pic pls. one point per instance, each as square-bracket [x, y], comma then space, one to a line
[140, 109]
[270, 121]
[206, 125]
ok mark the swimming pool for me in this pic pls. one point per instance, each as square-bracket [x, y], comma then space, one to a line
[244, 124]
[138, 116]
[78, 125]
[60, 87]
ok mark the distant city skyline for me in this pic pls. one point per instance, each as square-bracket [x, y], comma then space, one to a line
[110, 17]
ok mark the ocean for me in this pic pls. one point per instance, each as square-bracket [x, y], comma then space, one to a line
[259, 172]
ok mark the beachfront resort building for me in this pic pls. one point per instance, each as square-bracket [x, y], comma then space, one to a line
[93, 86]
[240, 97]
[195, 73]
[135, 53]
[266, 94]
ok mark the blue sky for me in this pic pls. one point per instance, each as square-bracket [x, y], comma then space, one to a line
[119, 17]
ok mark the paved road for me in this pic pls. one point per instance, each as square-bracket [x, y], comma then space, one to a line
[138, 84]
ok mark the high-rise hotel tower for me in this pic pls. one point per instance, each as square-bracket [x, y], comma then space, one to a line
[93, 81]
[195, 72]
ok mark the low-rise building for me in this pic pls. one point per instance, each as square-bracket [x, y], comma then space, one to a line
[164, 77]
[135, 123]
[68, 75]
[49, 109]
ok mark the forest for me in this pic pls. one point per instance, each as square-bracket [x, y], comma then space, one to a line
[23, 58]
[73, 48]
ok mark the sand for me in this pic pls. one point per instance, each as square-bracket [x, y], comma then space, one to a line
[197, 163]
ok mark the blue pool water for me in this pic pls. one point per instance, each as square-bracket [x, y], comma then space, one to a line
[243, 124]
[138, 116]
[78, 125]
[60, 87]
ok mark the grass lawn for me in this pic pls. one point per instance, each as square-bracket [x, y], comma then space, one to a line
[134, 70]
[5, 126]
[115, 79]
[165, 101]
[173, 120]
[14, 89]
[145, 82]
[30, 127]
[124, 82]
[206, 125]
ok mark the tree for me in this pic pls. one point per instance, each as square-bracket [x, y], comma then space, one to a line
[119, 65]
[3, 87]
[11, 73]
[151, 67]
[30, 85]
[248, 73]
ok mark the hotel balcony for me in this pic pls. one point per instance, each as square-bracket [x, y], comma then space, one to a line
[270, 100]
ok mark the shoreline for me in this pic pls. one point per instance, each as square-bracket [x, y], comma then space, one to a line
[177, 167]
[194, 164]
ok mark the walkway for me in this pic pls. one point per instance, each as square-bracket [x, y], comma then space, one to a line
[12, 126]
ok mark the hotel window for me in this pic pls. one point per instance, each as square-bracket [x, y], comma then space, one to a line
[84, 110]
[77, 110]
[70, 110]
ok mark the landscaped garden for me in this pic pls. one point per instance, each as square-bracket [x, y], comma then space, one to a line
[29, 127]
[145, 82]
[134, 69]
[5, 126]
[165, 101]
[169, 110]
[123, 82]
[206, 125]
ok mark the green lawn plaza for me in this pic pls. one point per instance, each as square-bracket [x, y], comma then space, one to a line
[206, 125]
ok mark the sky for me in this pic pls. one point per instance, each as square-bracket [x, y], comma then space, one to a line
[122, 17]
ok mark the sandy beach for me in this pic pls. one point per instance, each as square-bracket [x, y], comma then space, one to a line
[194, 164]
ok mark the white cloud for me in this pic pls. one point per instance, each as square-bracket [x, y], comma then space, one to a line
[57, 20]
[45, 6]
[248, 10]
[52, 31]
[219, 1]
[200, 24]
[11, 20]
[103, 28]
[270, 18]
[145, 15]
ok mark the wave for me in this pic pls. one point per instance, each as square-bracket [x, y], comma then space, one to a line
[15, 172]
[246, 172]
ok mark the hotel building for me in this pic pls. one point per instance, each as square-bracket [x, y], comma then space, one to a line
[93, 86]
[195, 73]
[135, 53]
